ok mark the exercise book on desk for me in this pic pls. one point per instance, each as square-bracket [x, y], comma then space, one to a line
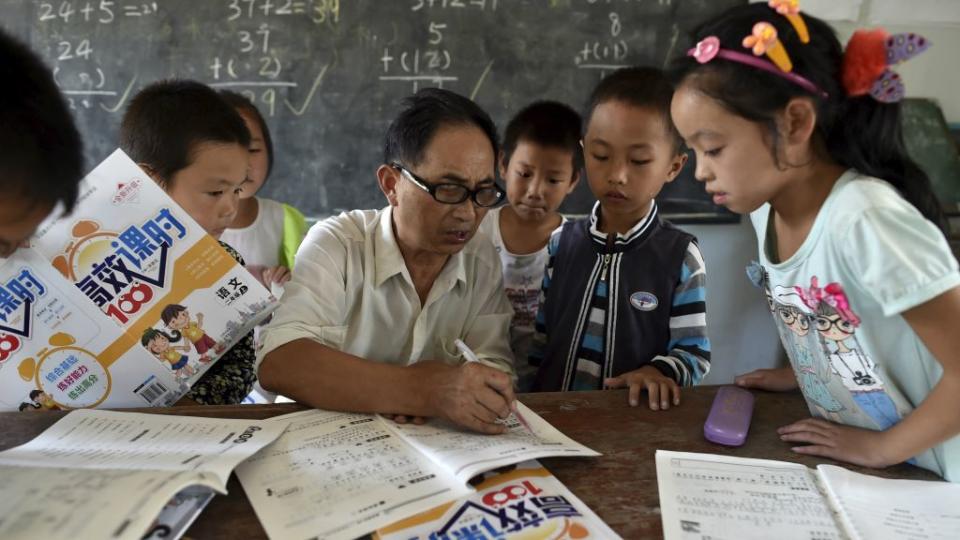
[720, 497]
[126, 302]
[342, 475]
[110, 474]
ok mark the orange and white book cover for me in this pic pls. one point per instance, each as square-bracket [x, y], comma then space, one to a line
[526, 503]
[124, 303]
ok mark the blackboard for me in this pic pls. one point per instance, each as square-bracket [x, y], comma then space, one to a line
[329, 74]
[930, 143]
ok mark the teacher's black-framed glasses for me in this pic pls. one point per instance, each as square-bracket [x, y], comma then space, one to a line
[450, 193]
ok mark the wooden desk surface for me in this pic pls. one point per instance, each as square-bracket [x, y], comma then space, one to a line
[620, 486]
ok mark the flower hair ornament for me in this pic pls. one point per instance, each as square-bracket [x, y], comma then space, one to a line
[867, 61]
[791, 10]
[762, 41]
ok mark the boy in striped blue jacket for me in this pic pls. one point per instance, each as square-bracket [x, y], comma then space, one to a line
[623, 300]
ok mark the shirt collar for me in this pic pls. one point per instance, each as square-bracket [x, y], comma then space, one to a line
[387, 257]
[637, 231]
[389, 260]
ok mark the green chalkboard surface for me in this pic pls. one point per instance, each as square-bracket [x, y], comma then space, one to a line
[329, 74]
[932, 146]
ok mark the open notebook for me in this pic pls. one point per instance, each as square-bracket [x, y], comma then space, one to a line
[712, 496]
[342, 475]
[110, 474]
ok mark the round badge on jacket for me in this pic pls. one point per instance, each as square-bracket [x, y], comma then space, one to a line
[644, 301]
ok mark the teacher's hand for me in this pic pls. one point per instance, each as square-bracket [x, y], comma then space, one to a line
[472, 395]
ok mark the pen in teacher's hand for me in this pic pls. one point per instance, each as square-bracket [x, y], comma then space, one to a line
[471, 356]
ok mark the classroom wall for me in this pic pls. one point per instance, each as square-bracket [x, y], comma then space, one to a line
[742, 334]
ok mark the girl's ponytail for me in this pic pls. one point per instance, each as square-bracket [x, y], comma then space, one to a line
[868, 132]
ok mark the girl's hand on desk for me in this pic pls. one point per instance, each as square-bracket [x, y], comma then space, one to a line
[661, 390]
[774, 380]
[863, 447]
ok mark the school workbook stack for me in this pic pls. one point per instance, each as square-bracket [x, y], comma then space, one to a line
[109, 474]
[124, 303]
[711, 496]
[341, 475]
[526, 502]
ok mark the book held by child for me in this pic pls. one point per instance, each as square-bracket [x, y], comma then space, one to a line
[124, 303]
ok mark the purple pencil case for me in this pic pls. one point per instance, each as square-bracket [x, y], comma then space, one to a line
[729, 418]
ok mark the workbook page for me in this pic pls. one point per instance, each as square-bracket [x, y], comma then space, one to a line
[878, 508]
[466, 453]
[720, 497]
[339, 475]
[107, 474]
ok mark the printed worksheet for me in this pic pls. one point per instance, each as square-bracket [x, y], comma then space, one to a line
[720, 497]
[466, 453]
[703, 495]
[872, 507]
[341, 475]
[108, 474]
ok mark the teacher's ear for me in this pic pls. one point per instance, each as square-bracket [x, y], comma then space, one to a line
[387, 178]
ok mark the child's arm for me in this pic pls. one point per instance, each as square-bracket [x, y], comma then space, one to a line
[688, 359]
[774, 380]
[200, 321]
[932, 422]
[275, 274]
[538, 344]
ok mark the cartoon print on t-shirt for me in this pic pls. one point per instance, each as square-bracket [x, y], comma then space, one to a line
[813, 371]
[836, 324]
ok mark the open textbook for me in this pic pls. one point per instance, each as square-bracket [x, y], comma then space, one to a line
[527, 502]
[124, 303]
[108, 474]
[342, 475]
[720, 497]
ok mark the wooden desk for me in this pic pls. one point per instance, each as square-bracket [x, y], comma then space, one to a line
[620, 486]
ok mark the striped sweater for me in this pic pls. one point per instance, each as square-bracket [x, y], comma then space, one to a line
[610, 304]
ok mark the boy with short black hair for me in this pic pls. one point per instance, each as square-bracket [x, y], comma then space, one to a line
[624, 295]
[195, 146]
[41, 156]
[540, 164]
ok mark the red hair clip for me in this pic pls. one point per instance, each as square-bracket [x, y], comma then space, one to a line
[867, 61]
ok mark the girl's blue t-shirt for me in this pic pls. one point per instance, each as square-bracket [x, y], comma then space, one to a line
[837, 303]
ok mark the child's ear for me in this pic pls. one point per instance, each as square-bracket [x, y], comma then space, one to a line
[676, 165]
[574, 181]
[797, 122]
[502, 165]
[387, 178]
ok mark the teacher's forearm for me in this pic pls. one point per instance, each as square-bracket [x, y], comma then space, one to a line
[326, 378]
